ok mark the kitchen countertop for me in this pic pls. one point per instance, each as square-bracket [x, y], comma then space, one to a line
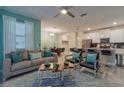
[116, 50]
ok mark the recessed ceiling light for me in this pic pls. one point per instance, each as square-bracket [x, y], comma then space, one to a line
[114, 23]
[89, 28]
[64, 11]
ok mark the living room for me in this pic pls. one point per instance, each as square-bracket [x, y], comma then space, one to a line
[31, 40]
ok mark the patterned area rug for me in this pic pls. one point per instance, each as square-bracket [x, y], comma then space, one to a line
[53, 79]
[68, 81]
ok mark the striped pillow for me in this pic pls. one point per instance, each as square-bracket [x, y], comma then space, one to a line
[35, 55]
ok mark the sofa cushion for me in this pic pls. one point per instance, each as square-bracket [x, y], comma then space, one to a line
[35, 55]
[21, 65]
[88, 65]
[16, 57]
[34, 51]
[50, 59]
[38, 61]
[25, 55]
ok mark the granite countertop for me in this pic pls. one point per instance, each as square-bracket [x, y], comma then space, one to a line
[117, 50]
[106, 48]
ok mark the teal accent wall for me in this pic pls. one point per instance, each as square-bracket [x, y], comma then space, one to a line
[1, 46]
[37, 31]
[37, 35]
[37, 26]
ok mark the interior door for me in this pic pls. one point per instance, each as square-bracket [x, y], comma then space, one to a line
[65, 44]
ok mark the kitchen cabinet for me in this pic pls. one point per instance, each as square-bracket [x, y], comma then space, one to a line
[117, 36]
[94, 36]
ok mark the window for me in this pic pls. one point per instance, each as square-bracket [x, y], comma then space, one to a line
[20, 35]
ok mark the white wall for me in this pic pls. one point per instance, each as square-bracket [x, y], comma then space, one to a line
[73, 39]
[47, 40]
[117, 35]
[70, 37]
[80, 37]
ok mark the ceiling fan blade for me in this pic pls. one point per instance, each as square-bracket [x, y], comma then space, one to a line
[82, 15]
[70, 14]
[56, 15]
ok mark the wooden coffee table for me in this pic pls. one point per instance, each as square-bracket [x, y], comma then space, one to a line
[45, 73]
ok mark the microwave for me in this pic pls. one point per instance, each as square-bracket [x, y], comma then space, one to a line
[105, 40]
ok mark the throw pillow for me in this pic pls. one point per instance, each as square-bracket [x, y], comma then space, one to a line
[35, 55]
[25, 55]
[75, 55]
[47, 53]
[91, 58]
[16, 57]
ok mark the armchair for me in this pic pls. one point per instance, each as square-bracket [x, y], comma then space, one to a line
[91, 62]
[74, 58]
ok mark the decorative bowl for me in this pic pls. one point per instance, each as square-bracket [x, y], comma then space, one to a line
[47, 65]
[66, 63]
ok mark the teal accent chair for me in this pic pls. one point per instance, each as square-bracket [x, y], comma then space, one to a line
[91, 62]
[74, 58]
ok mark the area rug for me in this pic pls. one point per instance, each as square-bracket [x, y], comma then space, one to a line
[51, 79]
[68, 81]
[75, 79]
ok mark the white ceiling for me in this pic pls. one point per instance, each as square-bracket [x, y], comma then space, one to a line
[97, 16]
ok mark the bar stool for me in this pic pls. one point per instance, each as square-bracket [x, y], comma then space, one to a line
[107, 56]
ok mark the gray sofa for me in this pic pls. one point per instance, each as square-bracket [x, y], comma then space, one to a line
[10, 69]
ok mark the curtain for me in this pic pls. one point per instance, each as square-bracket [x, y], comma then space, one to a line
[9, 31]
[29, 36]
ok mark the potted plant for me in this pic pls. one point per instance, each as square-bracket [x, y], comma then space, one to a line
[55, 67]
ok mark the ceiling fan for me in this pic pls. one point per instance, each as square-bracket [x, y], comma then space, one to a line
[82, 15]
[65, 10]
